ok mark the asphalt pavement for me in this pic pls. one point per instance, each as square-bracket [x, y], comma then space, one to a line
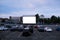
[36, 35]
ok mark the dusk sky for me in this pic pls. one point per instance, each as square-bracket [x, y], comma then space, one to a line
[29, 7]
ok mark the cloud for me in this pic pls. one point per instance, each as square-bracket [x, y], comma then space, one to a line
[23, 3]
[17, 13]
[17, 3]
[23, 7]
[31, 4]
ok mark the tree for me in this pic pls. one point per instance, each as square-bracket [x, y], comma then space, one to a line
[58, 20]
[37, 17]
[41, 16]
[54, 19]
[10, 17]
[3, 20]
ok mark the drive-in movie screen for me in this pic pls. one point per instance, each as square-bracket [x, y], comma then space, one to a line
[29, 20]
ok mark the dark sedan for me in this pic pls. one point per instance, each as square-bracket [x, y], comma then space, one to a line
[40, 29]
[58, 29]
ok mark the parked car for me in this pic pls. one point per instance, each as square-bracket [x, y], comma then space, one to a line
[27, 31]
[13, 28]
[5, 29]
[36, 26]
[20, 28]
[58, 29]
[31, 29]
[27, 28]
[48, 29]
[2, 28]
[8, 26]
[40, 29]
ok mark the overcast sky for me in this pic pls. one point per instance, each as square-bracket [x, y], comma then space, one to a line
[29, 7]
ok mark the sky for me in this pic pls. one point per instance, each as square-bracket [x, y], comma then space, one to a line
[29, 7]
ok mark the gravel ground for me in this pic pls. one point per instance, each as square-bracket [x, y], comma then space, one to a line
[36, 35]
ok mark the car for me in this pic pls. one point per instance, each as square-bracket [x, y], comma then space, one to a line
[27, 28]
[2, 28]
[20, 28]
[48, 29]
[31, 29]
[13, 28]
[36, 26]
[27, 31]
[40, 29]
[8, 26]
[5, 29]
[58, 29]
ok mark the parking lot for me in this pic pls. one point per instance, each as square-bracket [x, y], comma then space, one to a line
[36, 35]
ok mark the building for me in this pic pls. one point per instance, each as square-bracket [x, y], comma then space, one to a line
[15, 19]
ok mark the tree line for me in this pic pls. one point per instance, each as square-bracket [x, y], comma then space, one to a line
[52, 20]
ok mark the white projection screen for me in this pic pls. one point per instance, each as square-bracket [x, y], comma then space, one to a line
[29, 20]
